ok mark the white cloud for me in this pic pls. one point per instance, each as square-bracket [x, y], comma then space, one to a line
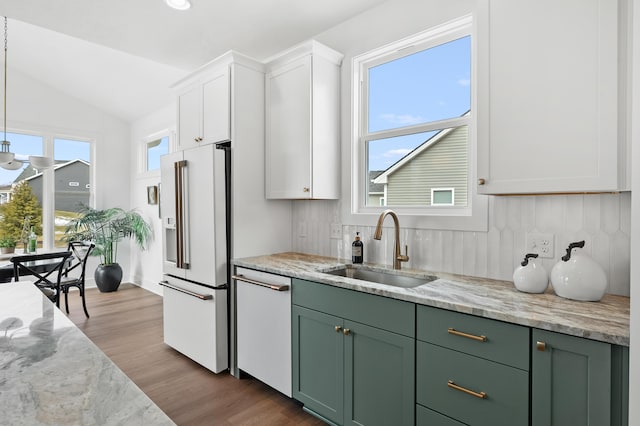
[402, 119]
[400, 152]
[464, 82]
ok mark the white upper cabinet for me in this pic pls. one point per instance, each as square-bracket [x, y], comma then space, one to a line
[303, 123]
[551, 96]
[204, 107]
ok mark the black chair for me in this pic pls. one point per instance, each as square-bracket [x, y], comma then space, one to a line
[81, 252]
[47, 268]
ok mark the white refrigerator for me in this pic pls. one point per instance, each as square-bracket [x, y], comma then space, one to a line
[195, 227]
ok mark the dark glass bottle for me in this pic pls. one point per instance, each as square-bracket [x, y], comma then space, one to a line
[357, 250]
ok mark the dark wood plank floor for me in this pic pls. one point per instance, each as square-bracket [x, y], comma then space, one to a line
[127, 326]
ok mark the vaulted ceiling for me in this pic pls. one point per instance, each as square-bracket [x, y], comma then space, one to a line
[122, 55]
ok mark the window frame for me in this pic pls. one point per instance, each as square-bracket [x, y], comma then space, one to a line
[474, 216]
[450, 189]
[49, 136]
[144, 146]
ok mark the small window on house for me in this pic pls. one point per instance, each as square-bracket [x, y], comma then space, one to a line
[442, 196]
[155, 149]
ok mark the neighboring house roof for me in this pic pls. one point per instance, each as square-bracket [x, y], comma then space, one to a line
[58, 166]
[382, 178]
[375, 188]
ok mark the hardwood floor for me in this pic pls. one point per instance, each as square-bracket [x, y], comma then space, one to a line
[127, 326]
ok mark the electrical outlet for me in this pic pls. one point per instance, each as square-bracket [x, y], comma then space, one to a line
[336, 231]
[302, 229]
[542, 244]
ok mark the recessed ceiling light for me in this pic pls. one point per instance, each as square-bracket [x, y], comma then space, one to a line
[179, 4]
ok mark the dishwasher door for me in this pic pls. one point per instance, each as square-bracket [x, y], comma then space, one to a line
[263, 327]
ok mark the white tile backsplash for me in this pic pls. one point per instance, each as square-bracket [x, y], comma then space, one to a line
[602, 220]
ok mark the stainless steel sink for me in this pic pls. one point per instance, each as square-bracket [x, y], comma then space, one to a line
[381, 277]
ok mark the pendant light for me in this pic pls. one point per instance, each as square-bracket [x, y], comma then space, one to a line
[5, 155]
[7, 158]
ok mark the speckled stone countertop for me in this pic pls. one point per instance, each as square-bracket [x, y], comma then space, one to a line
[52, 374]
[606, 320]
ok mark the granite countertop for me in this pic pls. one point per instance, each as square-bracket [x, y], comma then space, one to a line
[52, 374]
[606, 320]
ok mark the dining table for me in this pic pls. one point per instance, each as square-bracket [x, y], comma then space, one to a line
[6, 266]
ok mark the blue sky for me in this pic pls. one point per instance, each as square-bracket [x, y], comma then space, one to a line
[155, 151]
[25, 145]
[426, 86]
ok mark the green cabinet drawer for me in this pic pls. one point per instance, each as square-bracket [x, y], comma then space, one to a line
[486, 338]
[392, 315]
[426, 417]
[506, 389]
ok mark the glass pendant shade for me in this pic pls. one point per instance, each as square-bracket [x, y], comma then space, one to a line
[39, 162]
[12, 165]
[6, 157]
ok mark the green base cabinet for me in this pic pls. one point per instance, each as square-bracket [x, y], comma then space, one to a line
[577, 381]
[379, 377]
[318, 366]
[349, 372]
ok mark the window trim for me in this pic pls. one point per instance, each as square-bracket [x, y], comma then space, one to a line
[473, 217]
[143, 157]
[49, 136]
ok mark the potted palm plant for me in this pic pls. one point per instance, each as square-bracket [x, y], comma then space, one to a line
[106, 228]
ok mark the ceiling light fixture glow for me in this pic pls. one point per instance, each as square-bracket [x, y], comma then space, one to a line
[179, 4]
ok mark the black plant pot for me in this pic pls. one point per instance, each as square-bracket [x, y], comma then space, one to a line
[108, 277]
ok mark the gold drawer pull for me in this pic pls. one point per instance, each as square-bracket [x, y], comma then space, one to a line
[541, 346]
[346, 331]
[338, 329]
[452, 385]
[467, 335]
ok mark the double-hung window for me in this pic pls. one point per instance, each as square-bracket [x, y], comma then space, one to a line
[414, 126]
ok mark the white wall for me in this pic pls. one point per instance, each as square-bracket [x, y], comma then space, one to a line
[146, 266]
[32, 105]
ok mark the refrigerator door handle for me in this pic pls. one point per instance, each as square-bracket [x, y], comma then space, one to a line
[182, 290]
[181, 212]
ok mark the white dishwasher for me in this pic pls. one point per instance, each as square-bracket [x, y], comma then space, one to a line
[263, 327]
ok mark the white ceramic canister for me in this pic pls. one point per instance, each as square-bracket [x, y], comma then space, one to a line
[577, 276]
[530, 277]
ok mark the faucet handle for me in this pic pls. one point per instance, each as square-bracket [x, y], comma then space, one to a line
[404, 257]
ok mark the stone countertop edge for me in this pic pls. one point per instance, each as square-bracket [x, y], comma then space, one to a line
[53, 374]
[605, 321]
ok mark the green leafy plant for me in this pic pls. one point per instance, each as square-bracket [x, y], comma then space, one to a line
[7, 242]
[106, 228]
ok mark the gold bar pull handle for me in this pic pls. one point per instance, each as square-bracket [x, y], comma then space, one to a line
[467, 335]
[452, 385]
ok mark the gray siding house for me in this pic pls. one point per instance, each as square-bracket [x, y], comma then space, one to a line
[437, 167]
[72, 184]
